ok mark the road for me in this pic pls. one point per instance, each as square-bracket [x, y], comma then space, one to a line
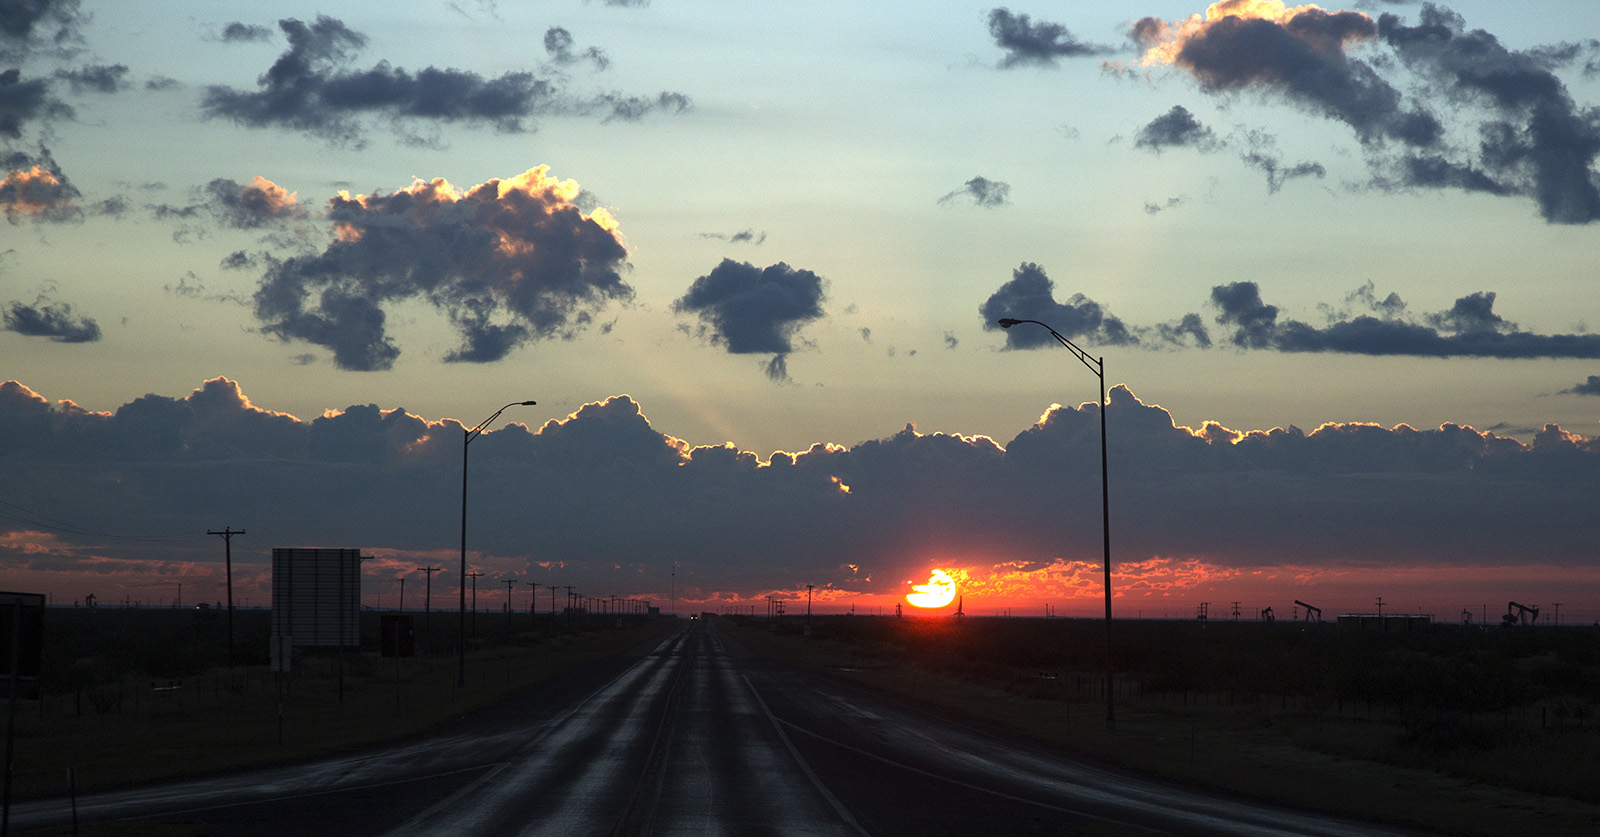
[693, 736]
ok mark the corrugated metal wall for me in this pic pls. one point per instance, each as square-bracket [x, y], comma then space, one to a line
[316, 596]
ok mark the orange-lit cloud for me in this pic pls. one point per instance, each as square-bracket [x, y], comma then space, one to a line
[508, 261]
[1165, 41]
[36, 193]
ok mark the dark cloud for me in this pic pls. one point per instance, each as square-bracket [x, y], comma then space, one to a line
[54, 320]
[26, 25]
[96, 78]
[23, 101]
[237, 32]
[603, 489]
[1539, 144]
[239, 260]
[983, 192]
[1158, 208]
[1038, 45]
[558, 45]
[1177, 128]
[950, 340]
[307, 89]
[1470, 328]
[1190, 328]
[1302, 58]
[508, 261]
[252, 205]
[745, 236]
[33, 188]
[1030, 295]
[755, 310]
[1530, 138]
[1276, 174]
[1589, 387]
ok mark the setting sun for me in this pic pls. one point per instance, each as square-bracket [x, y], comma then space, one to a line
[938, 592]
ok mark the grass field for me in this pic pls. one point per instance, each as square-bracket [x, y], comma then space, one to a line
[1454, 731]
[134, 696]
[1318, 719]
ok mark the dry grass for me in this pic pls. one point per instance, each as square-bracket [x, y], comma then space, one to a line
[1261, 750]
[142, 732]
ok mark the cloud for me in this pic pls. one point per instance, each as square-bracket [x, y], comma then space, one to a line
[558, 45]
[22, 101]
[1470, 328]
[744, 236]
[1151, 208]
[50, 319]
[1177, 128]
[602, 489]
[755, 310]
[96, 78]
[237, 32]
[509, 261]
[1037, 45]
[258, 203]
[1030, 295]
[950, 340]
[39, 194]
[1589, 387]
[1538, 144]
[1299, 53]
[1514, 129]
[308, 90]
[983, 192]
[26, 25]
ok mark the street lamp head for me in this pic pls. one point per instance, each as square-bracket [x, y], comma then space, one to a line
[1007, 322]
[526, 403]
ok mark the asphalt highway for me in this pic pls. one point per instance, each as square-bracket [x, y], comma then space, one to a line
[693, 736]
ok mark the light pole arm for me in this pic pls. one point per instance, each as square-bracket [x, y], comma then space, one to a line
[1095, 364]
[1098, 367]
[466, 440]
[484, 425]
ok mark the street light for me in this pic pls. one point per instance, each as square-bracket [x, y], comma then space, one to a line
[461, 634]
[1098, 367]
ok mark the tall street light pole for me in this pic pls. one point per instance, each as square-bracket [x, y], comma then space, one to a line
[1098, 367]
[466, 441]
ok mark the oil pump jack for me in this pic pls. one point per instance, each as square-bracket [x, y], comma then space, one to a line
[1313, 614]
[1523, 615]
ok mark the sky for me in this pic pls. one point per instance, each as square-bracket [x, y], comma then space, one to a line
[262, 267]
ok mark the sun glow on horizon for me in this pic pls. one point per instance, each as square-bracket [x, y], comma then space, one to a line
[938, 592]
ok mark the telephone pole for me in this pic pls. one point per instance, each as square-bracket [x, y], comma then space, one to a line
[509, 583]
[474, 575]
[427, 596]
[227, 550]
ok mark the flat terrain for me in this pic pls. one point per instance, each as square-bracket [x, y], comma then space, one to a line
[1407, 730]
[1198, 707]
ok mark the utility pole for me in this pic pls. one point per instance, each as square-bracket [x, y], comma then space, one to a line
[509, 583]
[808, 608]
[474, 575]
[427, 596]
[402, 594]
[570, 614]
[533, 603]
[227, 550]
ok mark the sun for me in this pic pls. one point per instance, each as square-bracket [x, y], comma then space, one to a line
[938, 592]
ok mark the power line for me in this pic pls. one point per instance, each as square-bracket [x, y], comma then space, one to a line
[44, 521]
